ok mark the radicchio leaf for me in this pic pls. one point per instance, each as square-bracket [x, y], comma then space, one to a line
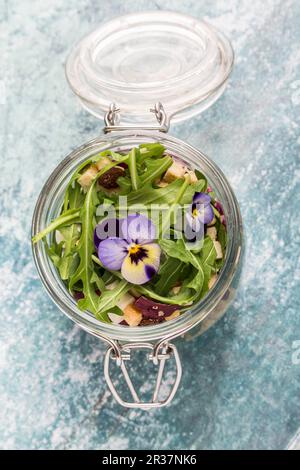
[154, 310]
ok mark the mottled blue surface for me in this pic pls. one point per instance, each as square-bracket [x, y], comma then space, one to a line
[240, 387]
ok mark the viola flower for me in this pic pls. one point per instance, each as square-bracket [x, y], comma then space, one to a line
[199, 214]
[107, 228]
[133, 251]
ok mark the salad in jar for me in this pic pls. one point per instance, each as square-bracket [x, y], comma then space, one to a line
[140, 237]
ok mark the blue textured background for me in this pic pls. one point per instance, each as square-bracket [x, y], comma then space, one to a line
[240, 388]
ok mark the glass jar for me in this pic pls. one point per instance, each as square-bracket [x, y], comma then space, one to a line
[155, 338]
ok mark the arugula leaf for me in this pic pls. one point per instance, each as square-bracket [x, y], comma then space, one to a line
[85, 249]
[208, 259]
[66, 218]
[54, 252]
[68, 196]
[124, 183]
[178, 250]
[196, 281]
[155, 168]
[208, 253]
[185, 296]
[221, 235]
[168, 216]
[116, 310]
[71, 235]
[85, 269]
[109, 298]
[132, 161]
[172, 271]
[151, 150]
[166, 195]
[98, 281]
[117, 157]
[201, 176]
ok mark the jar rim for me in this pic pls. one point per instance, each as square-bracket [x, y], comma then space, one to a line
[197, 312]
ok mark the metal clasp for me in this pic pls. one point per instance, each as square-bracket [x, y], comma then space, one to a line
[112, 120]
[159, 356]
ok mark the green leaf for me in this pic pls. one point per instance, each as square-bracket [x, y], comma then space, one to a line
[117, 157]
[85, 251]
[167, 217]
[116, 310]
[221, 235]
[154, 169]
[124, 183]
[201, 176]
[185, 296]
[178, 250]
[166, 195]
[66, 218]
[154, 150]
[172, 271]
[196, 281]
[71, 235]
[85, 269]
[109, 298]
[132, 165]
[98, 281]
[54, 251]
[208, 253]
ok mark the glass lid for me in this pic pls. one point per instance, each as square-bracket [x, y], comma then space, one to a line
[137, 60]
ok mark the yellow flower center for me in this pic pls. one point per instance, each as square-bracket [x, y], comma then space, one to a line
[195, 212]
[134, 249]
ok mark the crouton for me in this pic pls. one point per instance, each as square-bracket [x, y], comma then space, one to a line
[162, 184]
[193, 177]
[100, 164]
[176, 171]
[212, 232]
[132, 315]
[218, 248]
[212, 281]
[175, 314]
[86, 179]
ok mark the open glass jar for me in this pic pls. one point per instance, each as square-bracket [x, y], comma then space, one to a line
[139, 128]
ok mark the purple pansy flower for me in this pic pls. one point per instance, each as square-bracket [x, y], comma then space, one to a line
[107, 228]
[131, 249]
[199, 214]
